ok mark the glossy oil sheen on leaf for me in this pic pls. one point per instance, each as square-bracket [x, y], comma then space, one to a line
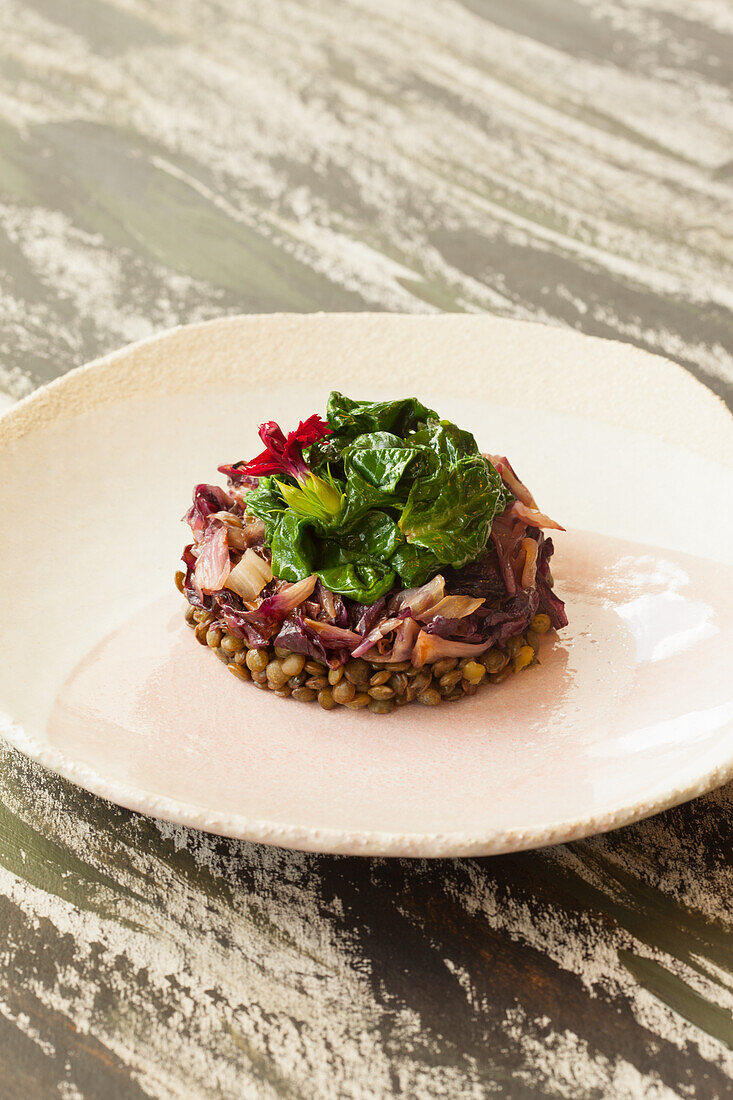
[293, 547]
[378, 536]
[380, 459]
[446, 441]
[363, 581]
[357, 562]
[450, 513]
[347, 417]
[414, 564]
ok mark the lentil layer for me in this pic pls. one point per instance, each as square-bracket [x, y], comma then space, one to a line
[361, 683]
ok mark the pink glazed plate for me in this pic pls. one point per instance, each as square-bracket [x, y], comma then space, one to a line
[631, 711]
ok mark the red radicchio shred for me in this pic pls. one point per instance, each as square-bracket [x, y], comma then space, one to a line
[363, 618]
[498, 627]
[465, 629]
[334, 635]
[282, 602]
[507, 573]
[481, 577]
[329, 606]
[488, 625]
[284, 455]
[342, 615]
[254, 628]
[298, 637]
[552, 606]
[259, 626]
[549, 603]
[237, 476]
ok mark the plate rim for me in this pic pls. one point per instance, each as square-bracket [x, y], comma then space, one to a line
[47, 400]
[331, 841]
[50, 401]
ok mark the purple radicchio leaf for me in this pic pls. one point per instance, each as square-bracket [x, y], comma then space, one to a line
[207, 499]
[481, 577]
[194, 597]
[549, 603]
[296, 636]
[363, 618]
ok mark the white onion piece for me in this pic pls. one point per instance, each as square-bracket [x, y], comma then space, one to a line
[451, 607]
[419, 599]
[534, 518]
[337, 634]
[529, 569]
[249, 576]
[375, 635]
[431, 647]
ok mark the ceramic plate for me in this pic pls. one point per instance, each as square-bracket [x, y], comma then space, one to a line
[630, 712]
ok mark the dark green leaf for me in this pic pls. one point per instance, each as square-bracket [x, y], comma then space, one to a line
[450, 512]
[356, 562]
[445, 440]
[377, 536]
[381, 459]
[294, 552]
[361, 497]
[350, 418]
[414, 564]
[267, 504]
[365, 581]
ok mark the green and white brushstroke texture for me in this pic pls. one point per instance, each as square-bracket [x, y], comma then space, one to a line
[558, 160]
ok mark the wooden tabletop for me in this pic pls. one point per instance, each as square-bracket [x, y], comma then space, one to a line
[562, 161]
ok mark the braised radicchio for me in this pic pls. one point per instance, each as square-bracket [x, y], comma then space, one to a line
[297, 636]
[207, 499]
[459, 612]
[549, 603]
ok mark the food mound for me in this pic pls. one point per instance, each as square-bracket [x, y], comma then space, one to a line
[369, 560]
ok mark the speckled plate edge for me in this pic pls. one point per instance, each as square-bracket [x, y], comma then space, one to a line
[151, 365]
[341, 842]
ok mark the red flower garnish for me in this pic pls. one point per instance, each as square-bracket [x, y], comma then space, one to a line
[285, 455]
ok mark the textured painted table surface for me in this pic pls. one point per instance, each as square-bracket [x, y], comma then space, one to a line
[558, 160]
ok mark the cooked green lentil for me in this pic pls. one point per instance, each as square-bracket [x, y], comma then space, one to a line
[361, 684]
